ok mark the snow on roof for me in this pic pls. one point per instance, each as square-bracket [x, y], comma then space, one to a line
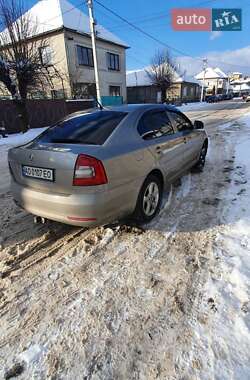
[186, 78]
[241, 81]
[140, 78]
[240, 87]
[211, 73]
[49, 15]
[221, 73]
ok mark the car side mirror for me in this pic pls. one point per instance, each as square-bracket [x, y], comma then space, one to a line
[198, 124]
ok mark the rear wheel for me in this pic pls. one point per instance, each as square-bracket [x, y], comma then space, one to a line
[202, 158]
[149, 199]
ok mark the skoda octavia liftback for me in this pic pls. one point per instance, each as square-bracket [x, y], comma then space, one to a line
[98, 166]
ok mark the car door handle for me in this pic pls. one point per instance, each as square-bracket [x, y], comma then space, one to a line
[158, 149]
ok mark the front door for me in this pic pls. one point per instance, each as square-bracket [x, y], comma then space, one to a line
[166, 146]
[184, 129]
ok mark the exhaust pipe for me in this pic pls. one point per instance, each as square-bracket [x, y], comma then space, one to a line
[39, 220]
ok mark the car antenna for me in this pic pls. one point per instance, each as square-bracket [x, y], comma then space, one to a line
[98, 103]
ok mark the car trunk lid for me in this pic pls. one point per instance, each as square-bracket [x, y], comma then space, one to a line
[58, 158]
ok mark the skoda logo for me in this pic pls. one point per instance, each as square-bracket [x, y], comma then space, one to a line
[31, 157]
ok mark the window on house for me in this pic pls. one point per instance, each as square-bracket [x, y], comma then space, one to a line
[58, 94]
[113, 61]
[45, 53]
[114, 90]
[85, 56]
[185, 91]
[84, 90]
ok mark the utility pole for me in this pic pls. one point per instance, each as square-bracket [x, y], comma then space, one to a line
[204, 73]
[92, 31]
[228, 82]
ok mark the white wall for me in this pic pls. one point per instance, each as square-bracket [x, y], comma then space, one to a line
[85, 74]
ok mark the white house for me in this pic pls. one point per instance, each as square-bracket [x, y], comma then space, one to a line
[215, 80]
[67, 33]
[140, 88]
[240, 86]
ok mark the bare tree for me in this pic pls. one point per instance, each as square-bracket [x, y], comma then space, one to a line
[22, 67]
[162, 71]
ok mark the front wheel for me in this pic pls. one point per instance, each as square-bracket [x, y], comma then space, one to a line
[149, 199]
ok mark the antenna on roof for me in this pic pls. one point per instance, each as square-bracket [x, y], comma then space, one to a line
[98, 103]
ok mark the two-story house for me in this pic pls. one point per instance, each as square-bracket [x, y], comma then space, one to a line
[68, 46]
[215, 80]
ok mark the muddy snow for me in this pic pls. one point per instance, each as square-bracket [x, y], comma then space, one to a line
[167, 301]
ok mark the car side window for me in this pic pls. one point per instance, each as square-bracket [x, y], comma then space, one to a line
[154, 124]
[180, 122]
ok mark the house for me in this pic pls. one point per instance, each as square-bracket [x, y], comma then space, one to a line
[216, 81]
[141, 90]
[68, 46]
[240, 86]
[235, 76]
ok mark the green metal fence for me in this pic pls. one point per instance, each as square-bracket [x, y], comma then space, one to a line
[112, 100]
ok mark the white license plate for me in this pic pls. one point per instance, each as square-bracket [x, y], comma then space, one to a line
[39, 173]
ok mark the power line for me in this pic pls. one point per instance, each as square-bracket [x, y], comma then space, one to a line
[161, 42]
[160, 15]
[142, 31]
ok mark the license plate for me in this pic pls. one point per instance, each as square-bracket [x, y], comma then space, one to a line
[39, 173]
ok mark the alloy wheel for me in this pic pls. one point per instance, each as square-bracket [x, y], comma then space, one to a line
[151, 198]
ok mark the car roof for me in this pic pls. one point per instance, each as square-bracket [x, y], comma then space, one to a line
[128, 108]
[135, 107]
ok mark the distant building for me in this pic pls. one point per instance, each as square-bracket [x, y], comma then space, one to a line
[66, 31]
[236, 76]
[141, 90]
[216, 80]
[240, 86]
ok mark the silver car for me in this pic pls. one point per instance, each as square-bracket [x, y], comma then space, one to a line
[99, 166]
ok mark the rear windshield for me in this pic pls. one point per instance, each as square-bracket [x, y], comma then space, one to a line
[93, 128]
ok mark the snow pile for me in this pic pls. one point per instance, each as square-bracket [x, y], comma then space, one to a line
[21, 138]
[196, 106]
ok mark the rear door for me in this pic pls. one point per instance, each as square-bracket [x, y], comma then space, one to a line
[166, 146]
[191, 137]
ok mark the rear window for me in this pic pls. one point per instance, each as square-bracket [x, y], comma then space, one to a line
[92, 128]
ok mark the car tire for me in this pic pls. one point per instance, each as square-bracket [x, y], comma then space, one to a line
[199, 166]
[149, 199]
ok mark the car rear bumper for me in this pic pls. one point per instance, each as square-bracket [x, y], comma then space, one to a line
[88, 209]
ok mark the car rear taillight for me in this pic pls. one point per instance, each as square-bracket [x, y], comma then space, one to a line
[89, 171]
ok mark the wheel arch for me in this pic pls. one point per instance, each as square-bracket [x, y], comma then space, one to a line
[157, 173]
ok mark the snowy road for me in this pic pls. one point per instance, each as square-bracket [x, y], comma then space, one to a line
[167, 302]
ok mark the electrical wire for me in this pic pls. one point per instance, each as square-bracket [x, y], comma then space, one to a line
[142, 31]
[131, 24]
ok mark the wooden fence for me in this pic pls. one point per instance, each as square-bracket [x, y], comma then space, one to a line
[41, 112]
